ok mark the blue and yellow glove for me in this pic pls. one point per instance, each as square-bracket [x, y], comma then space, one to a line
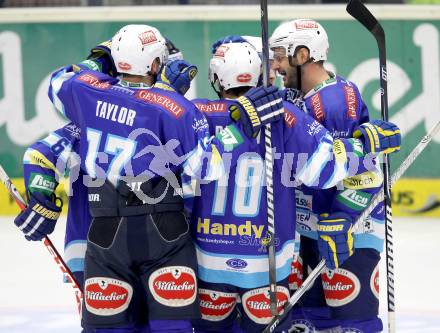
[379, 136]
[227, 39]
[40, 216]
[176, 75]
[258, 107]
[100, 59]
[335, 238]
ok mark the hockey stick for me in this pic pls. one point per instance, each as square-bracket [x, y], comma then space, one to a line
[377, 198]
[269, 170]
[356, 9]
[47, 242]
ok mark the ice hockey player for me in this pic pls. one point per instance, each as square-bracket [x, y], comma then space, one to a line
[346, 298]
[46, 162]
[56, 157]
[229, 218]
[140, 260]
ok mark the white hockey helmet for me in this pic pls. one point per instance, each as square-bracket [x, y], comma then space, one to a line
[136, 46]
[258, 45]
[302, 32]
[235, 65]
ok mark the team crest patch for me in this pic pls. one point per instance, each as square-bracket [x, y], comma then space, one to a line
[256, 303]
[216, 305]
[340, 287]
[374, 282]
[107, 296]
[93, 81]
[173, 286]
[161, 100]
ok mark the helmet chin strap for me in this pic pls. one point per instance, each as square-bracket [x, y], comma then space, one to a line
[298, 70]
[217, 88]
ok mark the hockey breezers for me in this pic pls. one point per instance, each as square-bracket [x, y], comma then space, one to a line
[46, 241]
[377, 198]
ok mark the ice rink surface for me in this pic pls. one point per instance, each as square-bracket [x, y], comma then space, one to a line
[34, 299]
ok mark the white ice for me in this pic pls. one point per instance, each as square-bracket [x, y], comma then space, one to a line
[34, 299]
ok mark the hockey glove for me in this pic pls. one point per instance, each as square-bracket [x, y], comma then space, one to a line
[100, 59]
[39, 218]
[176, 75]
[335, 238]
[258, 107]
[227, 39]
[379, 136]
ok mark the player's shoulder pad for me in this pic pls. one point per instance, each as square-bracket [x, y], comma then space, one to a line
[219, 106]
[175, 104]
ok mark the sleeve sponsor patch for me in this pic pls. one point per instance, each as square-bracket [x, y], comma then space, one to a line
[161, 100]
[289, 118]
[351, 102]
[317, 107]
[42, 183]
[94, 81]
[365, 180]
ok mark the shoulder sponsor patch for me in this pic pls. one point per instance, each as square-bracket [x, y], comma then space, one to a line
[230, 137]
[212, 107]
[317, 107]
[93, 80]
[256, 303]
[356, 200]
[351, 102]
[106, 296]
[340, 287]
[216, 305]
[289, 118]
[161, 100]
[173, 286]
[42, 183]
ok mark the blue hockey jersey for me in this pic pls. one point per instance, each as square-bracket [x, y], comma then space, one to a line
[338, 106]
[131, 131]
[48, 161]
[229, 216]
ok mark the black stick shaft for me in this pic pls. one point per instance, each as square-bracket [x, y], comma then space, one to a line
[269, 169]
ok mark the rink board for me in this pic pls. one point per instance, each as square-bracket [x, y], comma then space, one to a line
[411, 197]
[66, 34]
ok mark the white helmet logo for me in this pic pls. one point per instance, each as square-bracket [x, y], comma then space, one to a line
[147, 37]
[305, 25]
